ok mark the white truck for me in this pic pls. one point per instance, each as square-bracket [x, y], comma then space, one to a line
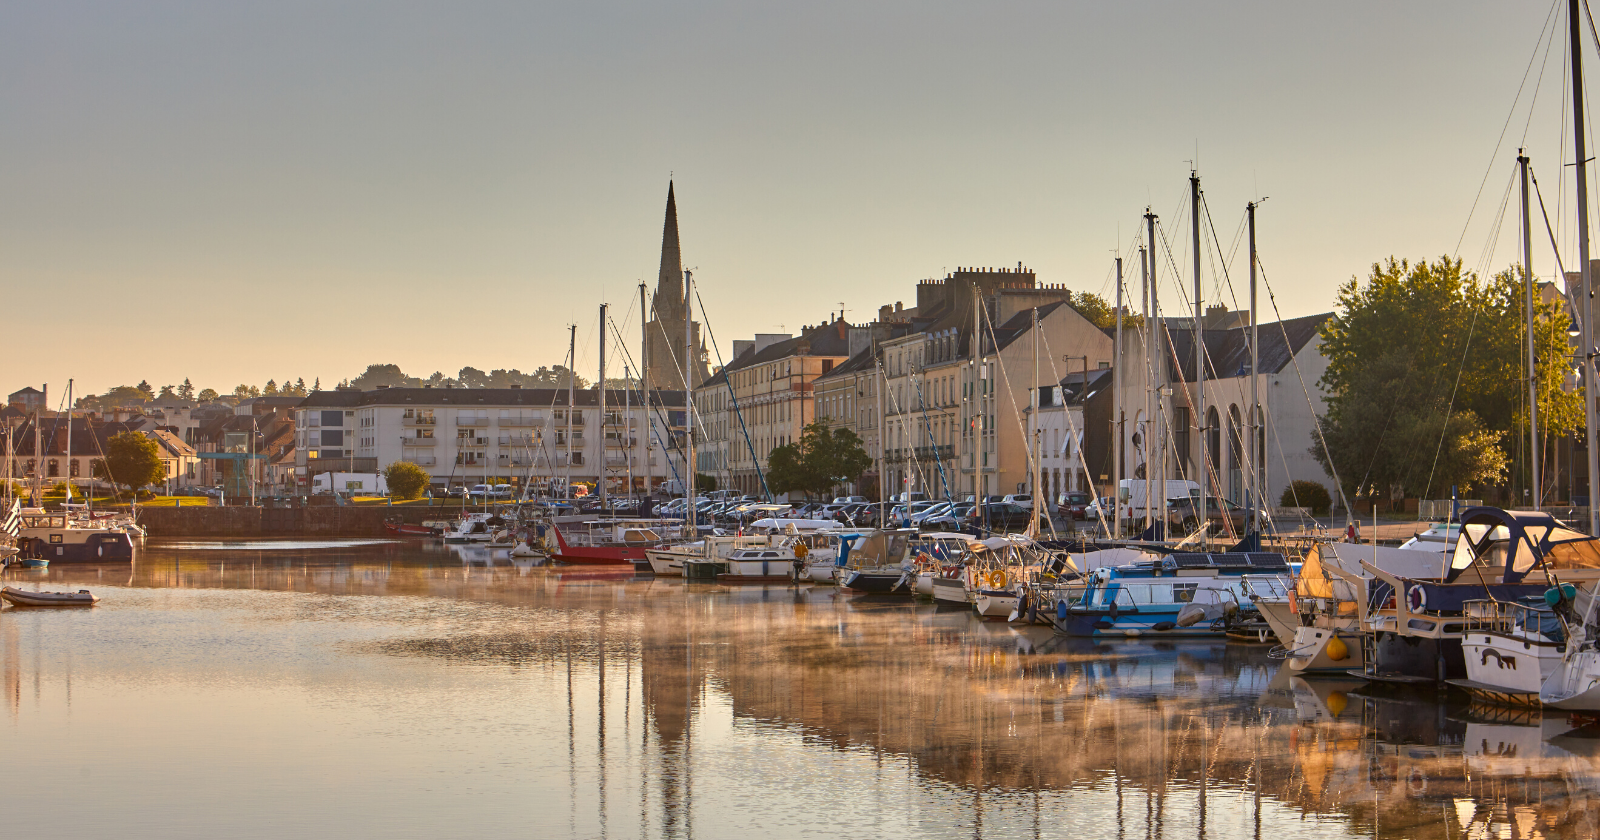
[349, 484]
[1132, 492]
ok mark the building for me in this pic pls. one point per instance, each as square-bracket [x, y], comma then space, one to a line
[664, 335]
[763, 399]
[1076, 433]
[525, 437]
[29, 399]
[89, 437]
[1291, 366]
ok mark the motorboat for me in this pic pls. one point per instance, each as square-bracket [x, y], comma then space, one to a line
[476, 528]
[606, 542]
[396, 528]
[668, 560]
[1183, 594]
[876, 563]
[1510, 648]
[45, 535]
[1415, 627]
[22, 598]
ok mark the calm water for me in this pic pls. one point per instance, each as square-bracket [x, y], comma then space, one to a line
[267, 689]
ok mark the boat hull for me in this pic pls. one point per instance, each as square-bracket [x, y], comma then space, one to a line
[1094, 623]
[74, 545]
[877, 583]
[22, 598]
[950, 591]
[1311, 654]
[1505, 669]
[995, 603]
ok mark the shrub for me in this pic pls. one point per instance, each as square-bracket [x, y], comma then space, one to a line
[1307, 494]
[405, 479]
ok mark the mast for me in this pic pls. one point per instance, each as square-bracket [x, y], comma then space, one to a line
[68, 501]
[688, 401]
[978, 485]
[644, 384]
[1533, 379]
[600, 464]
[627, 419]
[1258, 470]
[1201, 422]
[1116, 394]
[1586, 334]
[38, 450]
[572, 375]
[1035, 446]
[1149, 378]
[883, 477]
[1157, 499]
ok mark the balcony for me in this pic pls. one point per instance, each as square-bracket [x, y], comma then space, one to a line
[417, 441]
[472, 421]
[561, 440]
[522, 420]
[472, 441]
[428, 420]
[621, 443]
[560, 418]
[520, 440]
[616, 460]
[424, 460]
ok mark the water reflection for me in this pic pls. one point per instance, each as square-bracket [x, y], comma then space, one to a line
[453, 690]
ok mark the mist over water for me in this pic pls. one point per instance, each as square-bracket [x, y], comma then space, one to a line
[371, 689]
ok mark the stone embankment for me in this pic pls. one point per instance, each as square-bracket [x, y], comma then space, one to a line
[243, 521]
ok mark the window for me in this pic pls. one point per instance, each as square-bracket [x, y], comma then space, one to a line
[332, 418]
[332, 438]
[52, 468]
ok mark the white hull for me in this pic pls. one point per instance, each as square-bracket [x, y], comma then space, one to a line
[21, 598]
[1509, 665]
[1311, 655]
[924, 585]
[1283, 620]
[1574, 686]
[993, 604]
[668, 563]
[950, 591]
[821, 572]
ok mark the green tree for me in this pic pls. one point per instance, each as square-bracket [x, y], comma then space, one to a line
[1425, 378]
[271, 389]
[704, 483]
[822, 459]
[186, 390]
[132, 460]
[208, 395]
[167, 393]
[405, 479]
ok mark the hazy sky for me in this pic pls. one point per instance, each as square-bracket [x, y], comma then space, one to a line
[233, 192]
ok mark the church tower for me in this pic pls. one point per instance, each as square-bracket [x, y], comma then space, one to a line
[664, 334]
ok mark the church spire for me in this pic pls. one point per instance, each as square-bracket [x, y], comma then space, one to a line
[669, 284]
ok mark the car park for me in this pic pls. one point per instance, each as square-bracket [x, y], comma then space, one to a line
[1073, 504]
[1021, 500]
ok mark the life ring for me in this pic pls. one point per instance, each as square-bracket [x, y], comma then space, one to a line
[1416, 598]
[996, 578]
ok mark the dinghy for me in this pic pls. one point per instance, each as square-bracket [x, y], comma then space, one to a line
[20, 598]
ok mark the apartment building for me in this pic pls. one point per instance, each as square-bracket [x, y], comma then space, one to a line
[523, 437]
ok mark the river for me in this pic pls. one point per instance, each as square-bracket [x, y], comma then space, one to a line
[382, 689]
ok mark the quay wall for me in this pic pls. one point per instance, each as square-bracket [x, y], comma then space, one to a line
[244, 521]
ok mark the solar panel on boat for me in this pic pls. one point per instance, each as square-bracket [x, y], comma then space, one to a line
[1192, 561]
[1267, 560]
[1230, 561]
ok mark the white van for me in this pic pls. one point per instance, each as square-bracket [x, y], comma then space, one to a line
[1131, 495]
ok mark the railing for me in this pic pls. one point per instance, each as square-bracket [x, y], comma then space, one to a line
[519, 440]
[417, 441]
[522, 420]
[419, 421]
[561, 440]
[472, 441]
[472, 421]
[422, 461]
[616, 460]
[621, 443]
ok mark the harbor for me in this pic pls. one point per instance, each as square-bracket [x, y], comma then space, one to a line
[458, 690]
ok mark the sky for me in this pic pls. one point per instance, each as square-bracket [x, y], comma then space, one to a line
[232, 192]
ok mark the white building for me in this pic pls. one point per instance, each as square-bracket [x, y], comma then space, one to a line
[513, 436]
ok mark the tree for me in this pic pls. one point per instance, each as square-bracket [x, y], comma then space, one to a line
[208, 395]
[317, 386]
[822, 459]
[1306, 494]
[132, 460]
[300, 386]
[271, 389]
[704, 483]
[389, 375]
[186, 390]
[405, 479]
[1425, 378]
[167, 393]
[149, 392]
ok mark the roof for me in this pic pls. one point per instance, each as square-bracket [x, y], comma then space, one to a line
[474, 397]
[827, 340]
[173, 444]
[866, 360]
[1018, 325]
[28, 390]
[1228, 351]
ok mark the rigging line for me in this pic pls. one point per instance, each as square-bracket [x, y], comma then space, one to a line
[891, 395]
[1501, 140]
[1305, 391]
[1538, 83]
[1015, 410]
[1566, 293]
[651, 413]
[1072, 428]
[927, 426]
[738, 412]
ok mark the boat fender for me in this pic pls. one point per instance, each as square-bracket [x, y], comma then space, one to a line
[1336, 649]
[1061, 610]
[1191, 615]
[1102, 624]
[1163, 626]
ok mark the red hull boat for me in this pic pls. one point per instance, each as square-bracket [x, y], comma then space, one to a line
[406, 529]
[596, 555]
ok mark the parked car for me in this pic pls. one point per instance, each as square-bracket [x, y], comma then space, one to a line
[1103, 506]
[1073, 504]
[1001, 517]
[920, 518]
[1184, 512]
[849, 500]
[1021, 500]
[953, 519]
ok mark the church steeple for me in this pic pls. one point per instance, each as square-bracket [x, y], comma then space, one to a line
[669, 284]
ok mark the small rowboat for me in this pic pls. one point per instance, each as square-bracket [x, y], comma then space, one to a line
[21, 598]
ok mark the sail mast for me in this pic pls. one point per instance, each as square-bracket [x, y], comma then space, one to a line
[1201, 422]
[1534, 452]
[600, 387]
[1158, 365]
[644, 385]
[1258, 470]
[688, 401]
[1586, 317]
[1035, 446]
[1116, 394]
[572, 376]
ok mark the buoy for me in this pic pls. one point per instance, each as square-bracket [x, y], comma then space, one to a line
[1337, 650]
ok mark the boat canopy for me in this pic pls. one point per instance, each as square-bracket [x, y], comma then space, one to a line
[1528, 538]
